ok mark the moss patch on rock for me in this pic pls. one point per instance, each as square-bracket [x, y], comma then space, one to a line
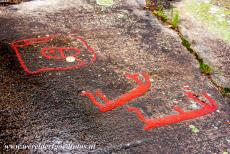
[216, 18]
[105, 3]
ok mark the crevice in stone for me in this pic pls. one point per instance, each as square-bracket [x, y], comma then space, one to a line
[204, 68]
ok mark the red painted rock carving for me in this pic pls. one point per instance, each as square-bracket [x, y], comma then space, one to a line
[207, 108]
[143, 87]
[52, 56]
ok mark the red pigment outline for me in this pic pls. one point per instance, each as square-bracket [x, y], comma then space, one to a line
[61, 51]
[27, 42]
[142, 88]
[182, 116]
[32, 41]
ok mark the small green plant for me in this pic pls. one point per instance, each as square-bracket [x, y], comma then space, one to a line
[157, 9]
[194, 129]
[187, 45]
[161, 14]
[160, 11]
[205, 68]
[175, 20]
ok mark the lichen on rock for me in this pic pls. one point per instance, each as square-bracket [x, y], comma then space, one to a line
[105, 3]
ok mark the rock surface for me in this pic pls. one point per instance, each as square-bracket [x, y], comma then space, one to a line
[209, 34]
[47, 108]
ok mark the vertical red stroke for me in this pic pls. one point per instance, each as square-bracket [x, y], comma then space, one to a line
[143, 87]
[207, 108]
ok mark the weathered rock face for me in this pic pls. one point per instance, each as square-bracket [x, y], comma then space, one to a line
[157, 3]
[11, 1]
[47, 108]
[207, 26]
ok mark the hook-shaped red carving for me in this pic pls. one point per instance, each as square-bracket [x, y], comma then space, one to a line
[181, 116]
[143, 87]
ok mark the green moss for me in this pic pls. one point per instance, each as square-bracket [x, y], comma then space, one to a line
[161, 14]
[187, 44]
[205, 68]
[216, 19]
[159, 11]
[226, 91]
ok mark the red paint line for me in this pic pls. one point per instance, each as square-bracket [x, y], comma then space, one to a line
[207, 108]
[142, 88]
[48, 53]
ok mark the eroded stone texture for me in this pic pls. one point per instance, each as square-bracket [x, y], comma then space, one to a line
[208, 43]
[48, 109]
